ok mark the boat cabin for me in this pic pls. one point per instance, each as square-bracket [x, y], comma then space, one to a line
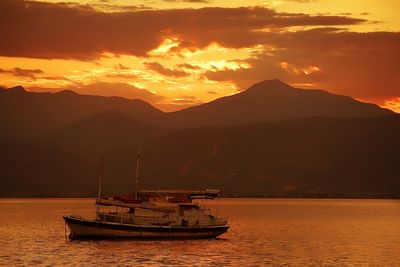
[159, 207]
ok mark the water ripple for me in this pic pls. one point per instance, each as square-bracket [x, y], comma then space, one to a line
[264, 232]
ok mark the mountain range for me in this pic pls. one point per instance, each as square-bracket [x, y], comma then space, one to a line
[269, 140]
[272, 100]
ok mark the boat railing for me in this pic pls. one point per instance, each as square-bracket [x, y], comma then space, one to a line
[130, 218]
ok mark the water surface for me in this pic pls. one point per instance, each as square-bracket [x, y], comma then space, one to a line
[264, 232]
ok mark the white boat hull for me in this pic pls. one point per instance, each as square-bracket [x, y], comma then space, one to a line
[82, 228]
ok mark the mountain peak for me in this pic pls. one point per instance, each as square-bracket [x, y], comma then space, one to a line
[273, 100]
[273, 82]
[269, 85]
[17, 89]
[67, 92]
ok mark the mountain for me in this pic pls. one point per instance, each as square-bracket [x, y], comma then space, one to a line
[354, 157]
[324, 157]
[26, 114]
[32, 169]
[272, 100]
[271, 139]
[66, 162]
[102, 131]
[112, 134]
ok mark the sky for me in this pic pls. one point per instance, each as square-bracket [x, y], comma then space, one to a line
[179, 53]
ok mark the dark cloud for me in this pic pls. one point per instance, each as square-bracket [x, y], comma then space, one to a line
[121, 67]
[113, 7]
[363, 65]
[29, 73]
[188, 66]
[58, 78]
[122, 71]
[63, 30]
[212, 93]
[122, 75]
[157, 67]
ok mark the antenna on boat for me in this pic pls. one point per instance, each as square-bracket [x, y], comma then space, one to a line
[137, 173]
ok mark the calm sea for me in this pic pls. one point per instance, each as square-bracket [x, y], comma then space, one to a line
[264, 232]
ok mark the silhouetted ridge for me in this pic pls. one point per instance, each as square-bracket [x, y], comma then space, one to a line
[272, 100]
[67, 92]
[24, 114]
[306, 157]
[278, 141]
[17, 89]
[269, 85]
[111, 127]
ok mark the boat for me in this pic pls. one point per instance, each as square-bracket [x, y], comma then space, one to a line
[159, 214]
[154, 214]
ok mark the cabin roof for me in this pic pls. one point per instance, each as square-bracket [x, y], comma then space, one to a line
[156, 206]
[205, 193]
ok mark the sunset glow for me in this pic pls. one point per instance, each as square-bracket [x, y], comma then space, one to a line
[175, 54]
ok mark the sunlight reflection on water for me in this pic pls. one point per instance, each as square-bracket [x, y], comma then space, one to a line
[263, 232]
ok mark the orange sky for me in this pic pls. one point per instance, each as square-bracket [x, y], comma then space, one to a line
[177, 53]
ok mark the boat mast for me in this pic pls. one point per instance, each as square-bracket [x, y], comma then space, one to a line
[137, 173]
[100, 183]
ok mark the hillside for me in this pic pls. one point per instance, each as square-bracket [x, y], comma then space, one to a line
[333, 157]
[272, 100]
[272, 140]
[315, 156]
[26, 114]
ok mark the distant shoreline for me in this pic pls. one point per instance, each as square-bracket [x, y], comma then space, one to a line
[228, 196]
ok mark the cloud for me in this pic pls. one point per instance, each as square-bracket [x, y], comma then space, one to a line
[30, 73]
[188, 1]
[303, 1]
[178, 103]
[171, 107]
[122, 75]
[62, 30]
[186, 100]
[121, 67]
[114, 7]
[188, 66]
[157, 67]
[363, 65]
[58, 78]
[393, 104]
